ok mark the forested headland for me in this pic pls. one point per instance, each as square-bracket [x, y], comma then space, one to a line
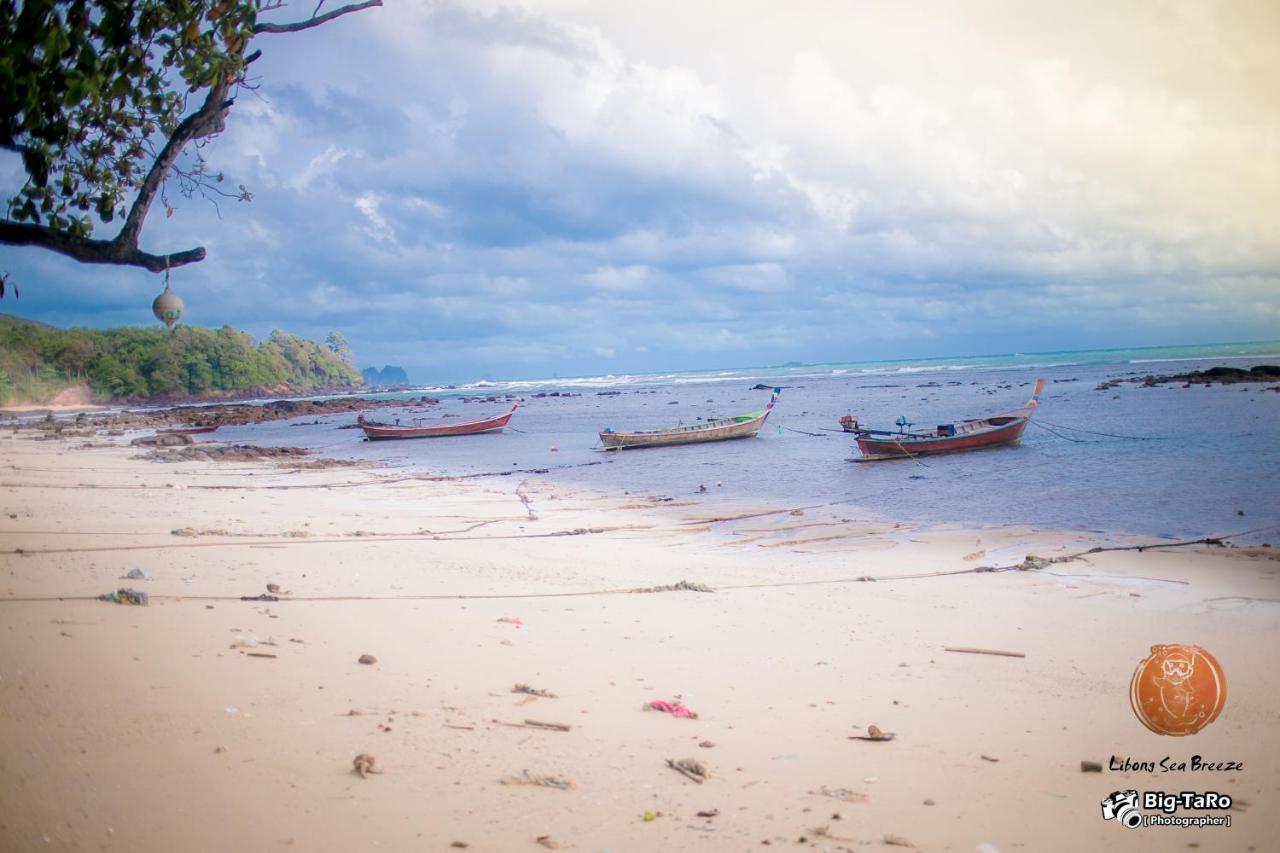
[39, 362]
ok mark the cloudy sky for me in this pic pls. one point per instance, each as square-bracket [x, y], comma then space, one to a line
[519, 189]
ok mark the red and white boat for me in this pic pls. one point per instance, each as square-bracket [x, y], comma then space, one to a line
[994, 431]
[418, 429]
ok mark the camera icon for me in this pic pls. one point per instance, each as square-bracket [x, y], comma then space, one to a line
[1123, 807]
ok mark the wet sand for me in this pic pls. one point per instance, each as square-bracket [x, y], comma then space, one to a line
[167, 728]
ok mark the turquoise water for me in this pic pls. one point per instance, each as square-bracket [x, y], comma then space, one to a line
[1254, 352]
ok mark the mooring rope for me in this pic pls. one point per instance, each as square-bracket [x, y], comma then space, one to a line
[1031, 563]
[1041, 423]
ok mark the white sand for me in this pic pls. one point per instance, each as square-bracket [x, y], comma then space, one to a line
[151, 729]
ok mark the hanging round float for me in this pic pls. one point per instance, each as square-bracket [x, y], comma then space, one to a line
[168, 305]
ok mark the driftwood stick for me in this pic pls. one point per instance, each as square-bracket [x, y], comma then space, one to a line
[559, 727]
[972, 651]
[534, 724]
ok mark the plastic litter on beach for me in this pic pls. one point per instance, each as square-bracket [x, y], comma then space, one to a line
[841, 794]
[135, 575]
[546, 840]
[897, 841]
[125, 595]
[673, 708]
[511, 620]
[527, 778]
[366, 659]
[1090, 767]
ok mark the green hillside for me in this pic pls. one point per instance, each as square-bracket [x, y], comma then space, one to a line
[38, 361]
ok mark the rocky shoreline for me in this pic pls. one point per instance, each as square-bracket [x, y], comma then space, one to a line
[1221, 375]
[218, 415]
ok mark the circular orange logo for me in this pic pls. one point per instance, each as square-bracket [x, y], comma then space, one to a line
[1178, 690]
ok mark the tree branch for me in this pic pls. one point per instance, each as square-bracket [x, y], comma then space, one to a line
[205, 121]
[314, 21]
[88, 251]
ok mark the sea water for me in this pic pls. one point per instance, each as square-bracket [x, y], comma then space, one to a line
[1175, 461]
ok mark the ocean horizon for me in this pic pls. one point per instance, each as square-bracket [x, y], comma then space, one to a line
[795, 371]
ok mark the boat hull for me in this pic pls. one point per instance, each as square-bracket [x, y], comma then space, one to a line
[903, 447]
[697, 435]
[725, 429]
[382, 432]
[977, 434]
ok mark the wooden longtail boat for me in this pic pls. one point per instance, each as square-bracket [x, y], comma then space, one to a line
[187, 430]
[994, 431]
[721, 429]
[375, 430]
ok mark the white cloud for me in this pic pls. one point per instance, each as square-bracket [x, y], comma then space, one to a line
[713, 181]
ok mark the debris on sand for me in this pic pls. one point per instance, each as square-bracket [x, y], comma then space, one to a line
[690, 768]
[989, 758]
[681, 586]
[534, 724]
[973, 651]
[527, 778]
[706, 744]
[546, 840]
[675, 709]
[135, 575]
[363, 764]
[874, 733]
[511, 620]
[1090, 767]
[841, 794]
[709, 813]
[124, 595]
[533, 691]
[897, 841]
[461, 845]
[367, 659]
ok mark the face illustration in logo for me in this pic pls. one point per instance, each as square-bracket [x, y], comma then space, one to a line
[1178, 690]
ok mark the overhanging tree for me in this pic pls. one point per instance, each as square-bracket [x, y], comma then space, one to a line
[109, 101]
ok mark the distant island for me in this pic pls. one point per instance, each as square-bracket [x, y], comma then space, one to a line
[389, 376]
[42, 364]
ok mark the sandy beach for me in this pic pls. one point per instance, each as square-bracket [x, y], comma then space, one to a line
[204, 722]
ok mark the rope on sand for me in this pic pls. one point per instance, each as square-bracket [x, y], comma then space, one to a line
[1031, 563]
